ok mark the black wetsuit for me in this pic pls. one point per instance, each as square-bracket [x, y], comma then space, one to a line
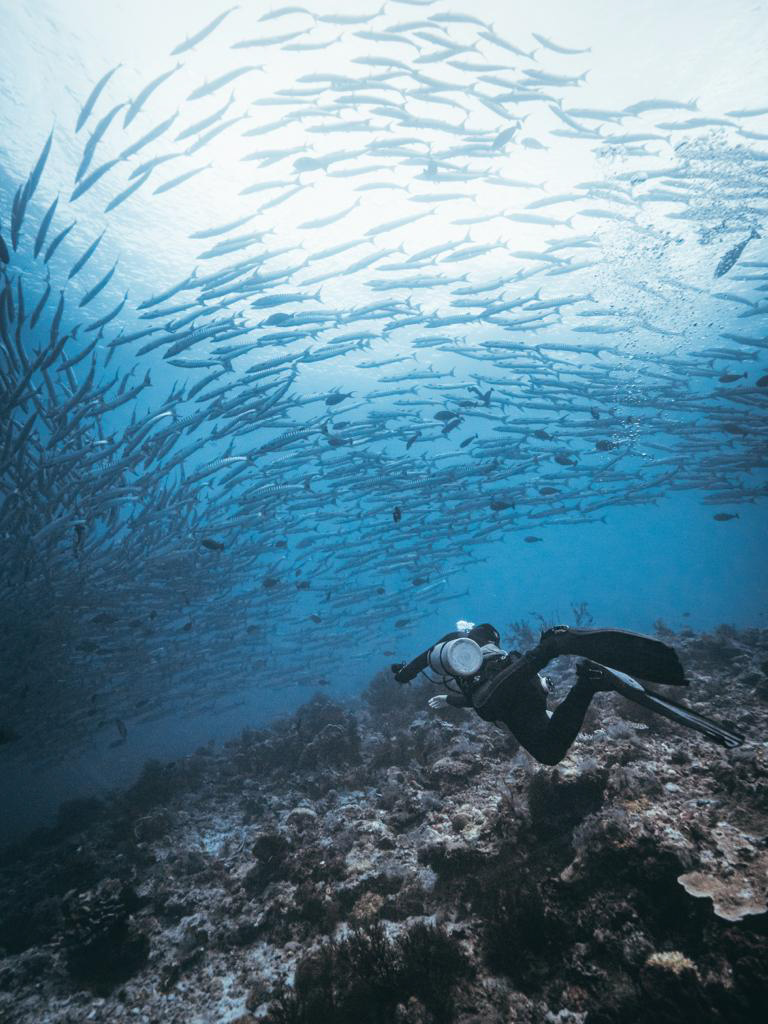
[546, 737]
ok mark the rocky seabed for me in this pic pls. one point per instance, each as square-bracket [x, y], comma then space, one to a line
[381, 863]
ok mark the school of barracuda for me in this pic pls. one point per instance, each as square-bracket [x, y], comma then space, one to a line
[152, 538]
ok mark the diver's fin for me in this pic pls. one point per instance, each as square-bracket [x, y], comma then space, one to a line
[633, 653]
[677, 713]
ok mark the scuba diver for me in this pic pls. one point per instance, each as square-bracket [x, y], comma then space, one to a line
[506, 687]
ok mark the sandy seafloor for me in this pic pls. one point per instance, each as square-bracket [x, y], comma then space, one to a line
[460, 880]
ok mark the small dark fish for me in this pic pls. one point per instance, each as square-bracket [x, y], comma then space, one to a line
[145, 93]
[556, 46]
[548, 490]
[45, 223]
[221, 229]
[565, 460]
[315, 618]
[212, 545]
[762, 382]
[543, 435]
[397, 513]
[150, 165]
[733, 254]
[302, 585]
[484, 395]
[402, 623]
[96, 135]
[606, 446]
[78, 266]
[413, 439]
[210, 87]
[89, 104]
[729, 378]
[98, 324]
[533, 540]
[200, 126]
[337, 442]
[5, 256]
[98, 287]
[104, 619]
[57, 242]
[498, 505]
[734, 428]
[724, 517]
[40, 306]
[418, 581]
[187, 627]
[34, 178]
[17, 216]
[122, 196]
[204, 32]
[595, 413]
[25, 193]
[151, 135]
[445, 415]
[92, 178]
[336, 399]
[269, 583]
[212, 133]
[468, 441]
[252, 630]
[323, 682]
[175, 182]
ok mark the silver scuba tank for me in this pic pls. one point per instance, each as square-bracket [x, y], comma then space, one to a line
[460, 657]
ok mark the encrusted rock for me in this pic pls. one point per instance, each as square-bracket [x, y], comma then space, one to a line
[103, 944]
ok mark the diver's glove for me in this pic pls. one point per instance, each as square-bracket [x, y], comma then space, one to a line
[590, 675]
[440, 700]
[396, 669]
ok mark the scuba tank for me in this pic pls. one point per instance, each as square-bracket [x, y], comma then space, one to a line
[463, 658]
[460, 658]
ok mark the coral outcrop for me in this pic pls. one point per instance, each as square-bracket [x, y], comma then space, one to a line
[380, 863]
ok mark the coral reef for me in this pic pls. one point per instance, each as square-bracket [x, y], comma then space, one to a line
[379, 863]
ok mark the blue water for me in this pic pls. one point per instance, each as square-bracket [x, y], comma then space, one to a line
[652, 144]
